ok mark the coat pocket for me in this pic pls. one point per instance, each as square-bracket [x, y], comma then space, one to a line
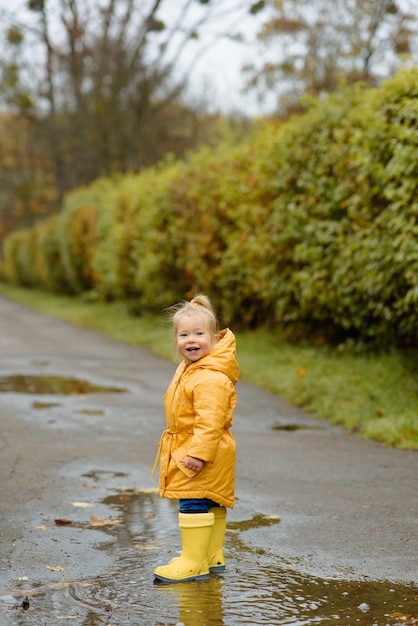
[177, 455]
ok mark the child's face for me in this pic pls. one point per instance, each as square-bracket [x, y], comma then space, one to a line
[193, 338]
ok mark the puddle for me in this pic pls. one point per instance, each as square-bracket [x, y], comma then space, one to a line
[257, 588]
[294, 427]
[52, 385]
[44, 405]
[258, 521]
[98, 475]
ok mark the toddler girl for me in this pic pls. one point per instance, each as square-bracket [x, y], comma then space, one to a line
[197, 450]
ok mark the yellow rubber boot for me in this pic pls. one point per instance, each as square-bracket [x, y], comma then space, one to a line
[192, 564]
[216, 561]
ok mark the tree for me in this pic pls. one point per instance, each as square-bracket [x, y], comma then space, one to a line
[311, 47]
[108, 97]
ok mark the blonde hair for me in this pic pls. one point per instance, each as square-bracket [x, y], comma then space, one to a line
[199, 306]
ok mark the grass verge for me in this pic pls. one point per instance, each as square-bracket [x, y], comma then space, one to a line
[374, 395]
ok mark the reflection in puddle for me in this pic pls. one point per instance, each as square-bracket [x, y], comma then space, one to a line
[256, 589]
[52, 385]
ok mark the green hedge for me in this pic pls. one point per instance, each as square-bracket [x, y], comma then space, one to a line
[310, 224]
[345, 211]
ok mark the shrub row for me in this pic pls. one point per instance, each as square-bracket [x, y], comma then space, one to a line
[310, 224]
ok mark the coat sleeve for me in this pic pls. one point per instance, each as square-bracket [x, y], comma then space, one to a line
[211, 397]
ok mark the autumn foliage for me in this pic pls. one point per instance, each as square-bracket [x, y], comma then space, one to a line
[311, 224]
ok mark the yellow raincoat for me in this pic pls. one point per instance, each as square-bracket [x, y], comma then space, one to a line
[199, 406]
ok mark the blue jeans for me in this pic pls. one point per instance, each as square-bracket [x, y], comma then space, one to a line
[196, 505]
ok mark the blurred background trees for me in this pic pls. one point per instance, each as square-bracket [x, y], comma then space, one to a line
[310, 47]
[96, 88]
[92, 88]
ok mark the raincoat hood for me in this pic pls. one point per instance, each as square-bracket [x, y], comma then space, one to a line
[222, 357]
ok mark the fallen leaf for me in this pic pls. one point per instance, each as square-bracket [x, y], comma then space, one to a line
[99, 521]
[42, 527]
[57, 568]
[63, 522]
[302, 371]
[405, 618]
[83, 505]
[65, 583]
[25, 603]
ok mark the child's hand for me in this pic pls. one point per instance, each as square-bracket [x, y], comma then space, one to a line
[191, 463]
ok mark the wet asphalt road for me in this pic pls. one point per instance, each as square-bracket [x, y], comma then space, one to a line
[348, 508]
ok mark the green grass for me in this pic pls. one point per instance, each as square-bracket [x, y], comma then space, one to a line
[373, 395]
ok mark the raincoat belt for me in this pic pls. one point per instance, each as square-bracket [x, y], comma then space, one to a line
[166, 441]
